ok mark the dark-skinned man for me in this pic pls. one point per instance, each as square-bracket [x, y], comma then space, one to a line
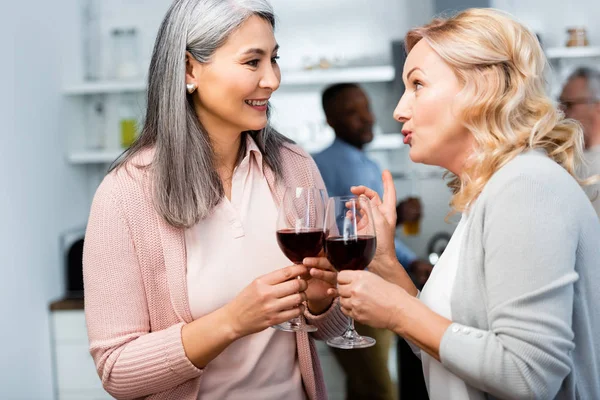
[344, 164]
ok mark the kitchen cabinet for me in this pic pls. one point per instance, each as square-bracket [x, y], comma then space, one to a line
[108, 93]
[75, 372]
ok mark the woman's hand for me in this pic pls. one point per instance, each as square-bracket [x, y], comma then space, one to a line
[373, 301]
[322, 281]
[384, 217]
[385, 263]
[369, 299]
[269, 300]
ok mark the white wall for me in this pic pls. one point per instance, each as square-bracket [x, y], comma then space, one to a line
[41, 195]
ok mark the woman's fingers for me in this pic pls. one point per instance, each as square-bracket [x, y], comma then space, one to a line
[318, 262]
[389, 190]
[290, 287]
[345, 278]
[289, 314]
[370, 193]
[284, 274]
[326, 276]
[290, 301]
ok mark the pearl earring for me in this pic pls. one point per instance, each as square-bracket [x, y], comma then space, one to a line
[190, 87]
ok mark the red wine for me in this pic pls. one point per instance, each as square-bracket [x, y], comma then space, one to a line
[352, 254]
[296, 245]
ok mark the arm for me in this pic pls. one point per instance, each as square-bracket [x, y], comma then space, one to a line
[131, 361]
[135, 361]
[330, 324]
[529, 243]
[404, 255]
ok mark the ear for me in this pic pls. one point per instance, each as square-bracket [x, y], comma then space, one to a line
[193, 69]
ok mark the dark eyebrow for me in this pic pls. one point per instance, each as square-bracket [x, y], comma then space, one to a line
[259, 52]
[411, 71]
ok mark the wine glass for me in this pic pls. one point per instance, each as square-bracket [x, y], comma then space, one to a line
[300, 234]
[350, 243]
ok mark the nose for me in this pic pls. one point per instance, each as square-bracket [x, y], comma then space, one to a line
[402, 113]
[271, 78]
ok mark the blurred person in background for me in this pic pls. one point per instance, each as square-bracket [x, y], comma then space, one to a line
[342, 165]
[580, 100]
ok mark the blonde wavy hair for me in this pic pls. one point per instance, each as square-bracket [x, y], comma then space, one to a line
[500, 65]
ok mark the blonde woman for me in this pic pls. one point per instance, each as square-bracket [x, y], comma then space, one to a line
[511, 309]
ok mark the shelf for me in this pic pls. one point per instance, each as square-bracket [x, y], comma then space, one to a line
[105, 87]
[572, 52]
[384, 73]
[94, 156]
[383, 142]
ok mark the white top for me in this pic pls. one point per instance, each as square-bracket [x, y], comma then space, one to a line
[436, 294]
[226, 252]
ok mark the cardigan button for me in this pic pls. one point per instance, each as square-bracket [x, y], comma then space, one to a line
[455, 329]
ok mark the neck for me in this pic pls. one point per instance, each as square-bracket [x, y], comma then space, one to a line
[226, 148]
[359, 147]
[224, 139]
[458, 164]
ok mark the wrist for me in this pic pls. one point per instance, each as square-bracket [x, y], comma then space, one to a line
[398, 317]
[232, 330]
[317, 307]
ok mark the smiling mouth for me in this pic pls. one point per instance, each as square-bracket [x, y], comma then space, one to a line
[257, 103]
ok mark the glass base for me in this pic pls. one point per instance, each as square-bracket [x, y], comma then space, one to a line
[294, 326]
[351, 340]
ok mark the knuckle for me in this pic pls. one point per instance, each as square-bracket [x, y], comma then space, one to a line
[287, 272]
[263, 295]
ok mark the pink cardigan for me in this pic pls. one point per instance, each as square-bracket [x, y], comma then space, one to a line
[136, 298]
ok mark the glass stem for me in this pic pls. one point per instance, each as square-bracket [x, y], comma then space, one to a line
[351, 325]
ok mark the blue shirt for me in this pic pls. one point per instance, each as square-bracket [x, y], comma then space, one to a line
[343, 166]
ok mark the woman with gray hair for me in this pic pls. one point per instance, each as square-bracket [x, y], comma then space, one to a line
[183, 275]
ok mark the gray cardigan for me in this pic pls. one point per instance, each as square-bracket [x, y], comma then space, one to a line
[526, 299]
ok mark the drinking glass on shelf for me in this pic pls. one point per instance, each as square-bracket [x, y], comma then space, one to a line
[300, 234]
[350, 244]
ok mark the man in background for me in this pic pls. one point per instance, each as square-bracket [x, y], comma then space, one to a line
[580, 100]
[343, 165]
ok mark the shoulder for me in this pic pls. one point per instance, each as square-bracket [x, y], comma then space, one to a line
[535, 182]
[533, 169]
[325, 153]
[299, 168]
[131, 182]
[292, 151]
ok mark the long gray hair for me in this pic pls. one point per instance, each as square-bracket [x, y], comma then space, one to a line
[186, 185]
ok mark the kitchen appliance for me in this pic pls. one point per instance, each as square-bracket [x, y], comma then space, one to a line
[436, 246]
[71, 243]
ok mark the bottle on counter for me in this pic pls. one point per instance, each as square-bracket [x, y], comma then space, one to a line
[128, 120]
[125, 56]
